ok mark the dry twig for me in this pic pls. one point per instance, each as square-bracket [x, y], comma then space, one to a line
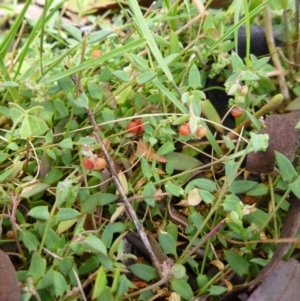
[119, 186]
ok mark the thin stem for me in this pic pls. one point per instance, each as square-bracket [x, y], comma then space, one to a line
[274, 54]
[273, 204]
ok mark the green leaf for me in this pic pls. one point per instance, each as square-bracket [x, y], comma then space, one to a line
[147, 172]
[241, 186]
[37, 267]
[94, 244]
[30, 191]
[65, 265]
[231, 169]
[174, 189]
[202, 184]
[202, 280]
[196, 107]
[82, 101]
[182, 162]
[172, 229]
[30, 241]
[65, 214]
[32, 126]
[13, 171]
[65, 193]
[73, 31]
[259, 63]
[206, 196]
[143, 271]
[178, 271]
[182, 288]
[53, 241]
[141, 63]
[66, 84]
[295, 187]
[108, 115]
[100, 283]
[174, 43]
[60, 285]
[124, 285]
[121, 75]
[149, 192]
[256, 123]
[232, 203]
[166, 148]
[16, 114]
[239, 264]
[3, 157]
[106, 295]
[13, 146]
[286, 168]
[95, 91]
[236, 62]
[107, 235]
[194, 78]
[39, 212]
[216, 290]
[229, 143]
[99, 35]
[52, 176]
[248, 75]
[212, 140]
[4, 175]
[145, 77]
[89, 265]
[172, 57]
[161, 41]
[8, 84]
[65, 225]
[259, 142]
[258, 190]
[60, 108]
[196, 219]
[66, 143]
[258, 217]
[167, 243]
[260, 261]
[47, 280]
[96, 199]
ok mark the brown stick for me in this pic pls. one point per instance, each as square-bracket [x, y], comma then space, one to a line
[110, 165]
[275, 58]
[123, 195]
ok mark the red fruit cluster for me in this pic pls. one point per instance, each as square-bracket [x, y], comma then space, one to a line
[94, 164]
[135, 126]
[236, 112]
[184, 130]
[96, 53]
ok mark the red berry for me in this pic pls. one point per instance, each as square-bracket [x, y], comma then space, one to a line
[88, 164]
[236, 112]
[99, 164]
[201, 131]
[184, 129]
[135, 126]
[96, 53]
